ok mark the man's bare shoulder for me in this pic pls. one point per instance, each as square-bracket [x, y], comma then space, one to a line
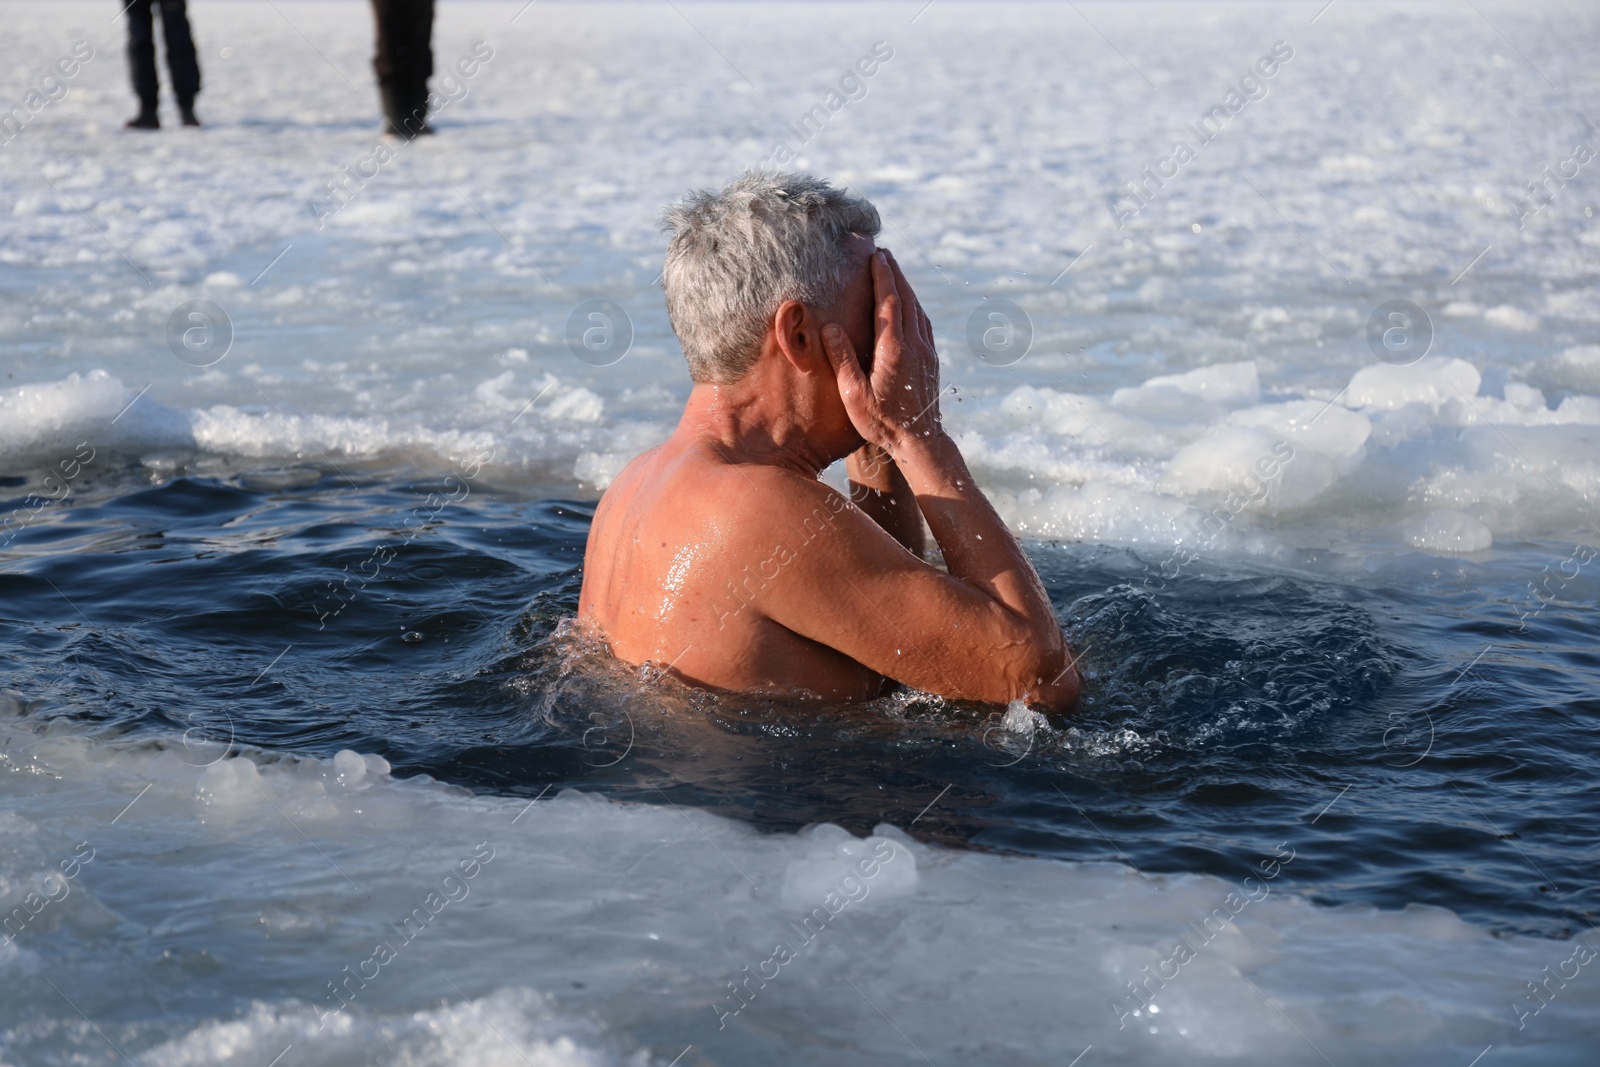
[633, 473]
[697, 487]
[762, 500]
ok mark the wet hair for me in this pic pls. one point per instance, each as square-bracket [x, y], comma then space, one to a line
[734, 255]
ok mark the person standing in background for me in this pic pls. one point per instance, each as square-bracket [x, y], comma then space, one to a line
[181, 62]
[404, 63]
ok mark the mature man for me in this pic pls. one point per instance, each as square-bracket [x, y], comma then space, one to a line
[721, 555]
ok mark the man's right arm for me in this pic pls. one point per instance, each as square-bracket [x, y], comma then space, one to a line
[846, 583]
[1010, 621]
[977, 546]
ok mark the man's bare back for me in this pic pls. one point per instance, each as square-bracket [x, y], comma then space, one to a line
[721, 555]
[697, 547]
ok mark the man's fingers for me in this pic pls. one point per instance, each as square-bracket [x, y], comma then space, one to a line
[916, 318]
[837, 345]
[899, 276]
[842, 354]
[903, 287]
[889, 331]
[888, 301]
[882, 274]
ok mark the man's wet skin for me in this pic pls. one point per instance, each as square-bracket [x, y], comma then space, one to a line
[721, 555]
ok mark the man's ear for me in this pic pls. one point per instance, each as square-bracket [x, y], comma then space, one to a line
[799, 336]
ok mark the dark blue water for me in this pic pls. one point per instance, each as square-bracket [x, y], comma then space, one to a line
[1393, 725]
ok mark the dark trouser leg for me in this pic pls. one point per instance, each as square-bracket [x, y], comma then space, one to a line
[142, 60]
[404, 63]
[181, 61]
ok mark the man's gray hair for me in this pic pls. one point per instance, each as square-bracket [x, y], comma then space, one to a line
[735, 255]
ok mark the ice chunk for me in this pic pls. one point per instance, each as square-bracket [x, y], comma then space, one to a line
[1333, 430]
[492, 392]
[348, 768]
[1266, 318]
[47, 414]
[508, 1027]
[1449, 531]
[1227, 458]
[1100, 510]
[1029, 411]
[1433, 381]
[229, 783]
[1575, 367]
[1223, 384]
[1263, 469]
[835, 864]
[576, 405]
[599, 469]
[1512, 318]
[1524, 397]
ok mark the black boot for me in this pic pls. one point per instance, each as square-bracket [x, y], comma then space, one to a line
[417, 116]
[405, 105]
[399, 118]
[186, 109]
[146, 119]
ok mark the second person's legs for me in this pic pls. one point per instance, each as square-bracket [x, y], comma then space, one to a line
[404, 63]
[181, 61]
[142, 64]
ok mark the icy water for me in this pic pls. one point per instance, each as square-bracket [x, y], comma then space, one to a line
[297, 765]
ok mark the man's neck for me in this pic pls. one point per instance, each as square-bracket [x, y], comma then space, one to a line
[753, 421]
